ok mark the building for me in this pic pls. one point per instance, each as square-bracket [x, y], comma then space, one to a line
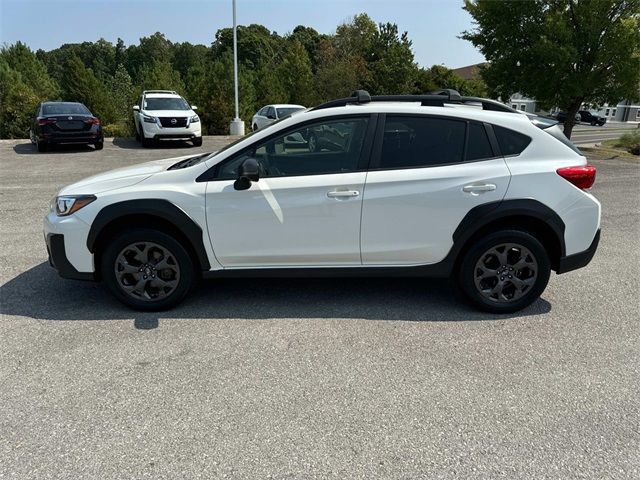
[624, 111]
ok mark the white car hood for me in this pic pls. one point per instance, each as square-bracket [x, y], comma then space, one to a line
[120, 177]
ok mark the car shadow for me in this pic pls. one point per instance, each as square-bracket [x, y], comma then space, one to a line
[133, 144]
[40, 293]
[30, 149]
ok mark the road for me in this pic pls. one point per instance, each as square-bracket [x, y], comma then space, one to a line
[331, 379]
[586, 134]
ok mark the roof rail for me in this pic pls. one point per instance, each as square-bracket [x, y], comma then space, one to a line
[436, 98]
[159, 91]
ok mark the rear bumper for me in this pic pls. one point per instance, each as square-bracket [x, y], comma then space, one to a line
[580, 259]
[58, 259]
[81, 137]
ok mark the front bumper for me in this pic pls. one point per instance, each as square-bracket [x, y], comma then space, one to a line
[580, 259]
[58, 259]
[157, 132]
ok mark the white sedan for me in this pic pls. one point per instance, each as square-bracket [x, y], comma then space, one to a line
[270, 113]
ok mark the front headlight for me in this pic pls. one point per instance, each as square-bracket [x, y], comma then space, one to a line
[149, 119]
[68, 204]
[194, 119]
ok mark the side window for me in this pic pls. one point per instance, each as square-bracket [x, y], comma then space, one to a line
[421, 142]
[478, 145]
[510, 142]
[325, 147]
[263, 111]
[271, 112]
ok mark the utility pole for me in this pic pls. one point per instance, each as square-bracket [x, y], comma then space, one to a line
[237, 125]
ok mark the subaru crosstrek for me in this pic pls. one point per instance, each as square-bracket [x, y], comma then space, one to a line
[165, 115]
[434, 185]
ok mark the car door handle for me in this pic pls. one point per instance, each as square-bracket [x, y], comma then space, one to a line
[343, 193]
[479, 188]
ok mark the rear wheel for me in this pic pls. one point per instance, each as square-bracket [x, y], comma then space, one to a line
[504, 272]
[147, 269]
[99, 145]
[42, 147]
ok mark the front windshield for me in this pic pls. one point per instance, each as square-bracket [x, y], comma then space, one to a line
[166, 103]
[286, 111]
[65, 109]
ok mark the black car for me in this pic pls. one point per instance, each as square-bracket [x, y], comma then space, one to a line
[592, 118]
[65, 122]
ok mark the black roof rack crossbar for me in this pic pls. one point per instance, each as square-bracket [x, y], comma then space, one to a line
[437, 98]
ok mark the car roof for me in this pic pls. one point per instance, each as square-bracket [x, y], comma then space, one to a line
[162, 95]
[285, 105]
[62, 103]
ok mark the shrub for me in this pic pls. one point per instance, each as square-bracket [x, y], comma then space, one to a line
[629, 141]
[117, 130]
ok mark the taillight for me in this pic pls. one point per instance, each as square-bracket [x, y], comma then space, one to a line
[46, 121]
[92, 121]
[582, 176]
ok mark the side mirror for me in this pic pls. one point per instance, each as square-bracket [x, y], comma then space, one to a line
[271, 116]
[249, 172]
[193, 107]
[136, 108]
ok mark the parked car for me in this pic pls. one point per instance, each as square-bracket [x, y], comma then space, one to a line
[270, 113]
[64, 122]
[592, 117]
[562, 116]
[165, 115]
[435, 185]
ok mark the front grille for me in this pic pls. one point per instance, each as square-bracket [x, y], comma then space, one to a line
[173, 122]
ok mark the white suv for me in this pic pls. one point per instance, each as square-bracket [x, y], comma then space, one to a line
[165, 115]
[432, 185]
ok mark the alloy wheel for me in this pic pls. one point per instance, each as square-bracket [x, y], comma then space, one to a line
[505, 272]
[147, 271]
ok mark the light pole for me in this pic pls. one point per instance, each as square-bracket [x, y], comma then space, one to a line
[237, 125]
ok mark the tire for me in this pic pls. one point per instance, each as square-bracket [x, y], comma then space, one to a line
[99, 145]
[254, 127]
[593, 123]
[42, 147]
[152, 289]
[197, 142]
[489, 285]
[147, 142]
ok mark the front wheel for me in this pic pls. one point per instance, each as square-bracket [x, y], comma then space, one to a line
[197, 142]
[147, 142]
[504, 272]
[147, 269]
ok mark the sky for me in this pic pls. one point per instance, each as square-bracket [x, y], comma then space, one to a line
[433, 25]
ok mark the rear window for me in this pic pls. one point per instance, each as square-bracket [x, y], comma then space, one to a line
[413, 142]
[510, 142]
[65, 109]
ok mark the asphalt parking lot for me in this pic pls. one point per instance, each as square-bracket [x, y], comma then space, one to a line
[350, 378]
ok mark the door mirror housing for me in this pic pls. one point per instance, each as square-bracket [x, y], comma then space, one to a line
[249, 172]
[194, 108]
[136, 108]
[271, 116]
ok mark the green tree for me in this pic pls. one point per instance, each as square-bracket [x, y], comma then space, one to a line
[81, 85]
[17, 101]
[295, 74]
[391, 61]
[561, 52]
[160, 75]
[123, 96]
[33, 72]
